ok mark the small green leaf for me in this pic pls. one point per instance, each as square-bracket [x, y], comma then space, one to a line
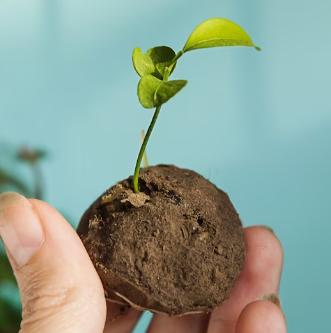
[167, 90]
[161, 57]
[218, 32]
[146, 91]
[154, 61]
[153, 92]
[142, 63]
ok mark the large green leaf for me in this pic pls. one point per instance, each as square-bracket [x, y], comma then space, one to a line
[153, 92]
[153, 62]
[218, 32]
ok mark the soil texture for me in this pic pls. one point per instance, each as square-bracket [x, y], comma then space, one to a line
[176, 247]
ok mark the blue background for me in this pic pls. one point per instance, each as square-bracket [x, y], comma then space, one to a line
[257, 124]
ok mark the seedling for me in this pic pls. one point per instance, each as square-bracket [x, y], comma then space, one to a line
[157, 64]
[177, 247]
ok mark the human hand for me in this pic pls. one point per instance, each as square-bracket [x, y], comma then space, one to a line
[61, 291]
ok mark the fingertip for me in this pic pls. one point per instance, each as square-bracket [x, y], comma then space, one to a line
[262, 234]
[260, 275]
[261, 317]
[20, 228]
[263, 251]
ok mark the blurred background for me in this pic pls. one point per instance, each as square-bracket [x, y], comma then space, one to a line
[257, 124]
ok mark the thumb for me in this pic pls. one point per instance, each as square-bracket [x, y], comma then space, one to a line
[60, 289]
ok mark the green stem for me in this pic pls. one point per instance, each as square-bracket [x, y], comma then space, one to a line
[172, 63]
[142, 150]
[145, 159]
[178, 55]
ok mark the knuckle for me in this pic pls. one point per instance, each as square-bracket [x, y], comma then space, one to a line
[57, 301]
[41, 299]
[45, 300]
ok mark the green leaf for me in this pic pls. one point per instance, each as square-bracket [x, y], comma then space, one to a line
[142, 63]
[146, 91]
[153, 92]
[161, 57]
[218, 32]
[167, 90]
[154, 61]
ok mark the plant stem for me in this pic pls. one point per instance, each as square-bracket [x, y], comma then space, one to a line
[145, 160]
[178, 55]
[142, 150]
[172, 63]
[38, 186]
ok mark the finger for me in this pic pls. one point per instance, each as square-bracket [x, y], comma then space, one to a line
[195, 323]
[261, 275]
[120, 320]
[60, 289]
[261, 317]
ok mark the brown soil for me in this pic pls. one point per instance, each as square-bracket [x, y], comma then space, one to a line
[176, 247]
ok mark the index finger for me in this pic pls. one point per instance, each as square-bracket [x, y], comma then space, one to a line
[261, 275]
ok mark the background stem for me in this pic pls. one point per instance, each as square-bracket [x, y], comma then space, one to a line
[38, 186]
[142, 150]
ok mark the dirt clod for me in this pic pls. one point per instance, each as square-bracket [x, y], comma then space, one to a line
[177, 247]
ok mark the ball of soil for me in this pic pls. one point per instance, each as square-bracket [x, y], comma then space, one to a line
[177, 247]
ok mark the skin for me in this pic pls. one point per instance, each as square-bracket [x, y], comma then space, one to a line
[61, 291]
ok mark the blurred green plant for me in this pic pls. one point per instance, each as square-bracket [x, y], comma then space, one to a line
[7, 180]
[33, 157]
[10, 317]
[6, 273]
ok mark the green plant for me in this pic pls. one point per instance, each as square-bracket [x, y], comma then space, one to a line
[157, 64]
[33, 157]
